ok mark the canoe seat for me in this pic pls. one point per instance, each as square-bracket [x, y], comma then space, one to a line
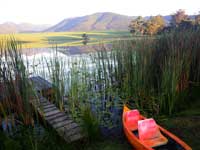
[149, 133]
[131, 119]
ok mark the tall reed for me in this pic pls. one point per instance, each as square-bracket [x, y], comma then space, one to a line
[15, 87]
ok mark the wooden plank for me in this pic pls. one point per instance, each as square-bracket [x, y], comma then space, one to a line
[44, 104]
[49, 109]
[58, 119]
[71, 126]
[55, 116]
[75, 130]
[74, 137]
[51, 113]
[40, 83]
[43, 100]
[48, 106]
[62, 123]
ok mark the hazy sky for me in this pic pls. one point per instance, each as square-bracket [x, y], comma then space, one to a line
[53, 11]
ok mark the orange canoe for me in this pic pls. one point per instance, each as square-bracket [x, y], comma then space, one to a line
[145, 134]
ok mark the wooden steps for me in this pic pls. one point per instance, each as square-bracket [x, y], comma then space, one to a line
[60, 121]
[42, 86]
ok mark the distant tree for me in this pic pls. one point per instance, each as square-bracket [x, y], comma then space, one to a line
[197, 19]
[137, 26]
[186, 24]
[178, 17]
[154, 25]
[85, 38]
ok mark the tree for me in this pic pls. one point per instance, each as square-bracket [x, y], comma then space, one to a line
[85, 38]
[154, 25]
[178, 17]
[186, 24]
[197, 19]
[137, 26]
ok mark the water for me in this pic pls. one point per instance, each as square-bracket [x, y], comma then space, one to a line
[106, 107]
[38, 59]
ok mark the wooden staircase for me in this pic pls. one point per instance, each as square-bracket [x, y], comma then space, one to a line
[65, 126]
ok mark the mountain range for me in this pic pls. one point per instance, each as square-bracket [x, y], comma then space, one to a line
[10, 27]
[97, 22]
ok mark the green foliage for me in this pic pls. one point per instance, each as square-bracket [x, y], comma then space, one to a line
[154, 25]
[181, 21]
[154, 73]
[178, 17]
[197, 19]
[8, 143]
[15, 88]
[85, 38]
[90, 124]
[137, 26]
[33, 138]
[56, 73]
[151, 26]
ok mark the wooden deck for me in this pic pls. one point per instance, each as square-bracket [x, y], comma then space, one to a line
[42, 86]
[60, 121]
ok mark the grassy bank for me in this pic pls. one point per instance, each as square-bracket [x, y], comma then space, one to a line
[40, 40]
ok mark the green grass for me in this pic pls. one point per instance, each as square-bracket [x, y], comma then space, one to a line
[51, 141]
[186, 128]
[39, 40]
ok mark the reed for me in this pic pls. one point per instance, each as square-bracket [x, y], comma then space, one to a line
[153, 73]
[56, 74]
[15, 88]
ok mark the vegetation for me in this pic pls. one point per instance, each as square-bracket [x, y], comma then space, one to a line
[63, 39]
[15, 88]
[151, 26]
[85, 38]
[157, 25]
[158, 75]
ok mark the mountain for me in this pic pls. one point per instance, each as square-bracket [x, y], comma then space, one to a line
[10, 27]
[97, 21]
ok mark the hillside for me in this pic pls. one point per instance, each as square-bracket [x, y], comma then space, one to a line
[10, 27]
[94, 22]
[97, 21]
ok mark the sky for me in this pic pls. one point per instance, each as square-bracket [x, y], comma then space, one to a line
[53, 11]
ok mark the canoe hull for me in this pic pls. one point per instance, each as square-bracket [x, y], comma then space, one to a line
[139, 145]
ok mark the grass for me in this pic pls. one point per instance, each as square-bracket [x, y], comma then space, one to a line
[49, 140]
[15, 88]
[39, 40]
[185, 127]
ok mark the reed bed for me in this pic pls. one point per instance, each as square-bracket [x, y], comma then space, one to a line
[154, 74]
[15, 87]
